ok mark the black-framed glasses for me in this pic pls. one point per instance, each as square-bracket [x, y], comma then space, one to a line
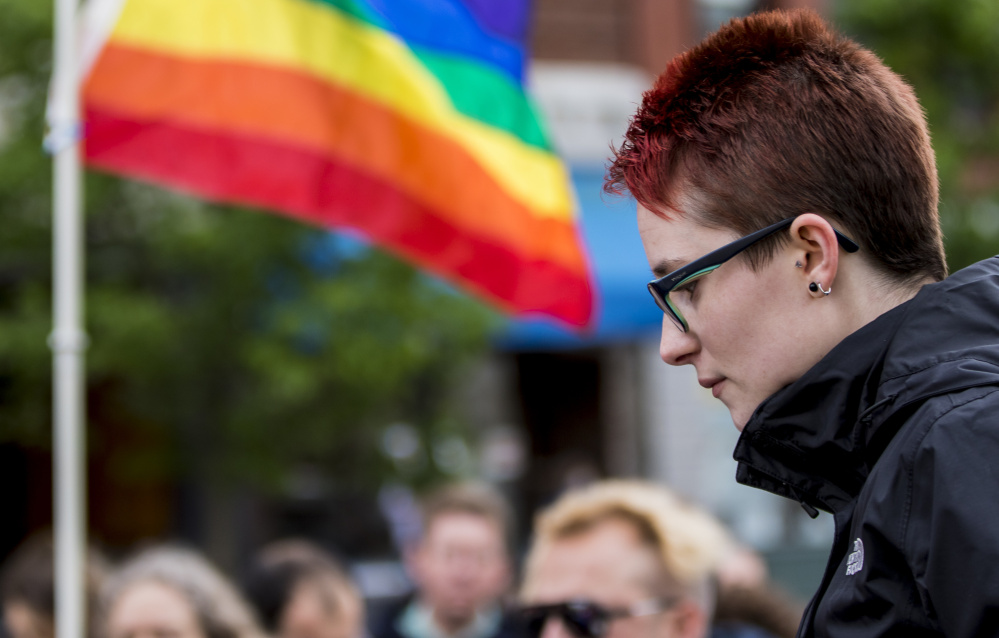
[587, 619]
[681, 278]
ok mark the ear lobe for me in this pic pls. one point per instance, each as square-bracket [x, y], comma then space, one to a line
[690, 620]
[814, 239]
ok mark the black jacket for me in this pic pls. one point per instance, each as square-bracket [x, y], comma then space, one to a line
[896, 433]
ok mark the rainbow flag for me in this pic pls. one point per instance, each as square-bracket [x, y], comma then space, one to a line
[404, 119]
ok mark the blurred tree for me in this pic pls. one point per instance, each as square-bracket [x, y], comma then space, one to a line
[250, 341]
[949, 52]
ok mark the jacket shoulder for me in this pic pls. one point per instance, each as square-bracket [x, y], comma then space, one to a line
[951, 522]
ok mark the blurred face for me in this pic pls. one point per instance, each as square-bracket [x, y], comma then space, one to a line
[747, 337]
[461, 567]
[608, 565]
[152, 610]
[319, 609]
[24, 622]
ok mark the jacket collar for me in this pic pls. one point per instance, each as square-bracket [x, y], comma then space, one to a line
[816, 440]
[805, 442]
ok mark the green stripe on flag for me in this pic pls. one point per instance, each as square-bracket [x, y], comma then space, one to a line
[487, 96]
[475, 90]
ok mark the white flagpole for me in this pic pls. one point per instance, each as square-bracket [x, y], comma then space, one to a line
[68, 339]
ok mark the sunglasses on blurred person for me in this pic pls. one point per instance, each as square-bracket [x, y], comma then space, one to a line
[584, 618]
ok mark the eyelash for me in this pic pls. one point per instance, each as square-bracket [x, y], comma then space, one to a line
[688, 287]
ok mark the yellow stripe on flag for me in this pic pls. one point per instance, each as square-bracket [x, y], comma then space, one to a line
[318, 39]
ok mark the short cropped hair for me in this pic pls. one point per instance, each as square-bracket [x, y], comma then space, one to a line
[690, 543]
[775, 115]
[477, 499]
[220, 610]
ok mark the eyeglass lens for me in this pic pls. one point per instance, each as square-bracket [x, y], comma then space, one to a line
[582, 619]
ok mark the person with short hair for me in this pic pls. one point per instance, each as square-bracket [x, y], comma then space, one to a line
[787, 204]
[624, 558]
[173, 591]
[461, 568]
[300, 591]
[27, 587]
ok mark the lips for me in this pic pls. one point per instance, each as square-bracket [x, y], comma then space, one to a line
[715, 385]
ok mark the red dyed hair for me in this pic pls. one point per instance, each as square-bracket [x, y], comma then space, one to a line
[775, 115]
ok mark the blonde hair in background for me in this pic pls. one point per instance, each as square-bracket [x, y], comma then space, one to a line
[690, 542]
[218, 606]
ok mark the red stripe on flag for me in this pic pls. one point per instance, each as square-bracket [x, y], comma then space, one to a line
[319, 189]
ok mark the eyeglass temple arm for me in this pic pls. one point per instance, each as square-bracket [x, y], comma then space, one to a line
[848, 244]
[650, 607]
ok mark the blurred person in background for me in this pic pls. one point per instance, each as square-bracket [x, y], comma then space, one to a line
[173, 591]
[27, 588]
[461, 567]
[300, 591]
[746, 595]
[625, 559]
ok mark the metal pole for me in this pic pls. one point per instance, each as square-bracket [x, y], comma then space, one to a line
[68, 339]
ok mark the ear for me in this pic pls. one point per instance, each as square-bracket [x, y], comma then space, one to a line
[815, 247]
[504, 578]
[689, 620]
[413, 559]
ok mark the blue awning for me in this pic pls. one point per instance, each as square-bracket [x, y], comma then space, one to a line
[625, 310]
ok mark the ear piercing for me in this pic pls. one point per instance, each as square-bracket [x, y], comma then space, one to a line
[817, 286]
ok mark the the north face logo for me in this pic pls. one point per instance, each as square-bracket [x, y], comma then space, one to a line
[855, 561]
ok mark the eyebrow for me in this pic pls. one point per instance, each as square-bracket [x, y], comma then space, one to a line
[666, 266]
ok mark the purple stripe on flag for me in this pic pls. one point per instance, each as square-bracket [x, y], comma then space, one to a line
[505, 18]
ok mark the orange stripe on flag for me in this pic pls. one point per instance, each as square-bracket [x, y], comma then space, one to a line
[235, 168]
[299, 110]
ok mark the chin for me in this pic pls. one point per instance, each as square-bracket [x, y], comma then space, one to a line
[744, 411]
[739, 418]
[459, 614]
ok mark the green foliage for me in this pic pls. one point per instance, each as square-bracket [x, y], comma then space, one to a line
[244, 339]
[949, 52]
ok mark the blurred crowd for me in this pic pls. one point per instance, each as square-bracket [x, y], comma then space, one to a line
[612, 559]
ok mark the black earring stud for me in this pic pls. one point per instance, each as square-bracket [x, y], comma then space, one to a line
[814, 287]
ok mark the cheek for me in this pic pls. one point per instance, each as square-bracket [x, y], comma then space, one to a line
[641, 627]
[730, 322]
[748, 324]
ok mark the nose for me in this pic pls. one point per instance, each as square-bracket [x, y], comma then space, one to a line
[676, 346]
[554, 629]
